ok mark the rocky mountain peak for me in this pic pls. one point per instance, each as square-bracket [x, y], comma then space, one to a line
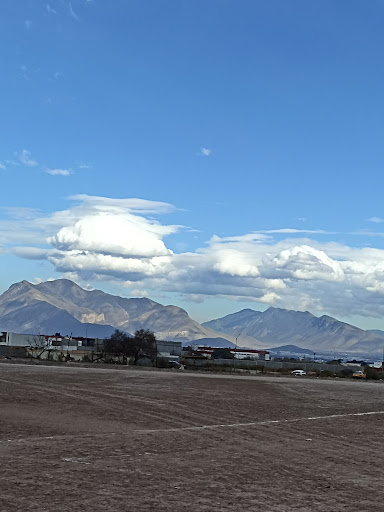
[62, 305]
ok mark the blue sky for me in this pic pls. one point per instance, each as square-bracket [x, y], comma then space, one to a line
[251, 131]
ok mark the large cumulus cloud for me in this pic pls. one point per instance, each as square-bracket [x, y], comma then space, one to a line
[120, 240]
[124, 235]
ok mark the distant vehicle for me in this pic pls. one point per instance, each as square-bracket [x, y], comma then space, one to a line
[177, 365]
[299, 373]
[359, 375]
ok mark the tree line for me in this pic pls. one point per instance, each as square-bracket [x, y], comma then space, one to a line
[118, 346]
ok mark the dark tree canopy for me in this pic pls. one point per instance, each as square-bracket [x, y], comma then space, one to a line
[222, 353]
[142, 344]
[145, 345]
[118, 344]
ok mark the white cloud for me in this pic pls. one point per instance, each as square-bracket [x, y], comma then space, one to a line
[59, 172]
[25, 72]
[134, 205]
[110, 233]
[30, 253]
[25, 158]
[376, 220]
[2, 167]
[288, 231]
[72, 276]
[38, 280]
[72, 12]
[368, 233]
[138, 293]
[50, 9]
[303, 262]
[100, 238]
[205, 152]
[28, 24]
[250, 237]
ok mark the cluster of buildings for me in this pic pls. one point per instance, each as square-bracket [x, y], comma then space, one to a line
[237, 353]
[78, 348]
[74, 348]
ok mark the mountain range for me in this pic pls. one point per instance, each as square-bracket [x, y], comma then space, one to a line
[63, 306]
[277, 326]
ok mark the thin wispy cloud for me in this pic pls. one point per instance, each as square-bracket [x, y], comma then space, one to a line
[376, 220]
[12, 162]
[59, 172]
[50, 9]
[28, 24]
[25, 158]
[72, 12]
[15, 212]
[28, 72]
[367, 233]
[288, 231]
[24, 72]
[205, 152]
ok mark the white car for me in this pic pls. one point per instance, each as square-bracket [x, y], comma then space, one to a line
[300, 373]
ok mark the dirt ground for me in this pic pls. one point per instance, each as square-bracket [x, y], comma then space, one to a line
[91, 439]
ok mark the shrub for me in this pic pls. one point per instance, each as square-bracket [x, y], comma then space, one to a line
[162, 362]
[373, 374]
[327, 373]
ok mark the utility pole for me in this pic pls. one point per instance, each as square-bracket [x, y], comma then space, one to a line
[234, 357]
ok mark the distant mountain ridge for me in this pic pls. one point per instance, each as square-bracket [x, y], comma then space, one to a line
[63, 306]
[291, 349]
[277, 326]
[378, 332]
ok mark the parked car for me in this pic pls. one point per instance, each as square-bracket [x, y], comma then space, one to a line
[176, 365]
[299, 373]
[359, 375]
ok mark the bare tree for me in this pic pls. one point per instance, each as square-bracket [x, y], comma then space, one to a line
[38, 345]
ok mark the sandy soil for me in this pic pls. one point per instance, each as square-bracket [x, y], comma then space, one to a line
[79, 439]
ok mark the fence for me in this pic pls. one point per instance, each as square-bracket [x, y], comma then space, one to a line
[275, 365]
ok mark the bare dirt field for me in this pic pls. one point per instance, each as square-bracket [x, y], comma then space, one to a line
[92, 439]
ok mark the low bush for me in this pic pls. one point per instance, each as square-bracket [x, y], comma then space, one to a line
[162, 362]
[373, 374]
[327, 373]
[346, 372]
